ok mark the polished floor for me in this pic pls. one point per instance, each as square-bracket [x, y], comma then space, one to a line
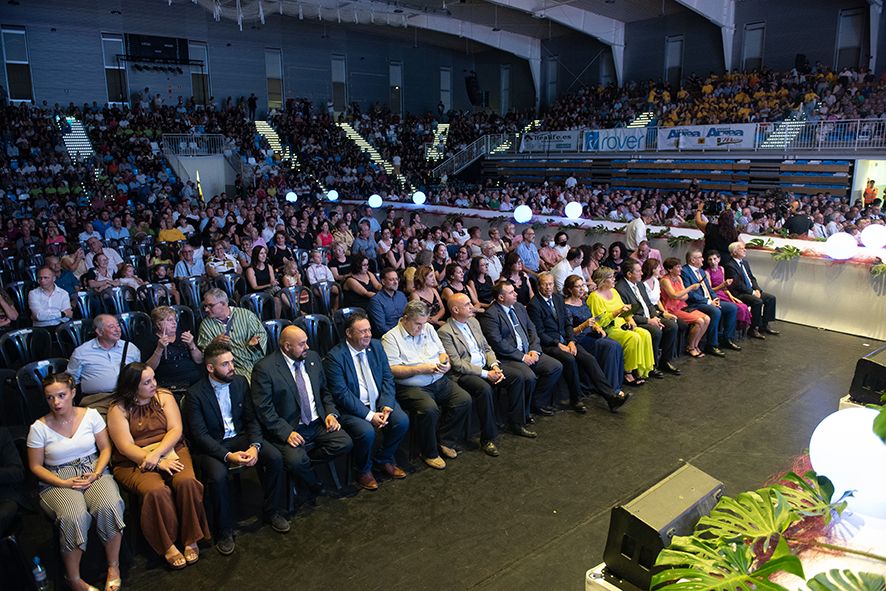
[537, 516]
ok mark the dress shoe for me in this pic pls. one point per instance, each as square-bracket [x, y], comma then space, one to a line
[279, 523]
[524, 432]
[579, 407]
[448, 452]
[755, 334]
[394, 471]
[367, 481]
[489, 449]
[530, 420]
[543, 411]
[733, 346]
[225, 545]
[435, 463]
[768, 330]
[616, 401]
[716, 352]
[318, 490]
[657, 374]
[670, 368]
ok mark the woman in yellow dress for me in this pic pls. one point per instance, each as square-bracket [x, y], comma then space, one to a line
[618, 322]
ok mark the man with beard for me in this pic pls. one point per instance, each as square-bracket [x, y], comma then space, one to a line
[224, 433]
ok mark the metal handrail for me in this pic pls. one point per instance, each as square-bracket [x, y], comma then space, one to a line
[193, 144]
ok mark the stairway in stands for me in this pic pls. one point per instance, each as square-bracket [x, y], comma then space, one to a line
[77, 144]
[287, 156]
[374, 155]
[436, 150]
[642, 120]
[785, 133]
[509, 143]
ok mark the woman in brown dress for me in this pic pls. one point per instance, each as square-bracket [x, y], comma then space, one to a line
[151, 459]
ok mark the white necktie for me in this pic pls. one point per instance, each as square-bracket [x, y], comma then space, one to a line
[368, 379]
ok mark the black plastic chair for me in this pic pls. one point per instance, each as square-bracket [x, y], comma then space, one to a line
[136, 327]
[321, 336]
[191, 290]
[293, 296]
[30, 385]
[119, 299]
[152, 295]
[274, 328]
[324, 288]
[231, 284]
[339, 318]
[72, 334]
[18, 290]
[260, 304]
[185, 319]
[87, 304]
[13, 410]
[29, 273]
[24, 345]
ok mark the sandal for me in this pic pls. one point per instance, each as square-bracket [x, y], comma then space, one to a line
[192, 554]
[630, 380]
[695, 353]
[113, 584]
[69, 582]
[175, 561]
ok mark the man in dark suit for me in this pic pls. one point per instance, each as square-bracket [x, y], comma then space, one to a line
[359, 377]
[547, 310]
[515, 341]
[745, 287]
[223, 432]
[295, 408]
[663, 329]
[706, 300]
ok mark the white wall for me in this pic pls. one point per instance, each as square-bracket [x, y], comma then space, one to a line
[211, 170]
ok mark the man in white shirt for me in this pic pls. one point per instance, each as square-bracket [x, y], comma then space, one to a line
[460, 234]
[571, 265]
[635, 231]
[493, 263]
[50, 305]
[419, 364]
[189, 265]
[115, 261]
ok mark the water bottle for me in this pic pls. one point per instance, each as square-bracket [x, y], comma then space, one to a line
[40, 581]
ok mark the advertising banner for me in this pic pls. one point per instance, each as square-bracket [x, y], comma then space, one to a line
[550, 141]
[615, 140]
[737, 136]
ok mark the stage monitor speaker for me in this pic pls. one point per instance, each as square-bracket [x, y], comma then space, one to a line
[869, 381]
[641, 528]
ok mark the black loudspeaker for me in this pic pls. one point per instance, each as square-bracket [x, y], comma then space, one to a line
[641, 528]
[472, 86]
[801, 62]
[869, 381]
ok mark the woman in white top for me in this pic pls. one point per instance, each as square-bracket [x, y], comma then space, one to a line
[69, 451]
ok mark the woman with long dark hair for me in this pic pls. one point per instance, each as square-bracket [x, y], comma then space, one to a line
[720, 234]
[260, 277]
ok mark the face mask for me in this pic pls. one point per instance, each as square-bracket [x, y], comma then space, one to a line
[551, 244]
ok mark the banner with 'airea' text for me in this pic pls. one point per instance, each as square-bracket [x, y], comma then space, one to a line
[736, 136]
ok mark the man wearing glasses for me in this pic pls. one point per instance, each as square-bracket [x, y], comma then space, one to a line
[189, 266]
[238, 328]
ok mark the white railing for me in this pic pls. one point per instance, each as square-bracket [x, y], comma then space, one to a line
[193, 144]
[496, 142]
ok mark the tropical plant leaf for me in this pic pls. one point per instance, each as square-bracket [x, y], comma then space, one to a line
[692, 564]
[786, 253]
[761, 243]
[811, 496]
[846, 580]
[678, 241]
[750, 516]
[878, 269]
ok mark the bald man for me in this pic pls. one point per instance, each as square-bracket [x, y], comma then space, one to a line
[295, 409]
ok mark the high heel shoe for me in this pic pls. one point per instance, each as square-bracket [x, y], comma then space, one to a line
[614, 402]
[114, 584]
[68, 582]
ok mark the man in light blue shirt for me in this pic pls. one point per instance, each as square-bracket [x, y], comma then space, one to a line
[189, 266]
[116, 231]
[528, 251]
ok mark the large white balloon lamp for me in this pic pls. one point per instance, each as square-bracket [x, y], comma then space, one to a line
[841, 246]
[332, 195]
[291, 197]
[522, 214]
[573, 210]
[374, 201]
[874, 236]
[845, 449]
[419, 198]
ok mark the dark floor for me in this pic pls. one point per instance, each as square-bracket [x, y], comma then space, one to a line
[536, 517]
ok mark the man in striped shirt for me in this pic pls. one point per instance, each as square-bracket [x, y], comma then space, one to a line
[238, 328]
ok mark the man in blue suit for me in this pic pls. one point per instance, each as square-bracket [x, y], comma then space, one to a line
[359, 378]
[706, 300]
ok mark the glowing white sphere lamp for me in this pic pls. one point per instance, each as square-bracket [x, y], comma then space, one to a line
[845, 449]
[841, 246]
[291, 197]
[374, 201]
[573, 210]
[419, 198]
[332, 195]
[874, 236]
[522, 214]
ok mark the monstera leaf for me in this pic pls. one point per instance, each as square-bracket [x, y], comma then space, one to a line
[880, 421]
[845, 580]
[811, 496]
[692, 564]
[750, 516]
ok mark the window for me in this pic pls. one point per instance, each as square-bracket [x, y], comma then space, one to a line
[18, 68]
[339, 83]
[115, 70]
[446, 89]
[850, 37]
[199, 73]
[274, 73]
[395, 76]
[505, 90]
[752, 52]
[674, 60]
